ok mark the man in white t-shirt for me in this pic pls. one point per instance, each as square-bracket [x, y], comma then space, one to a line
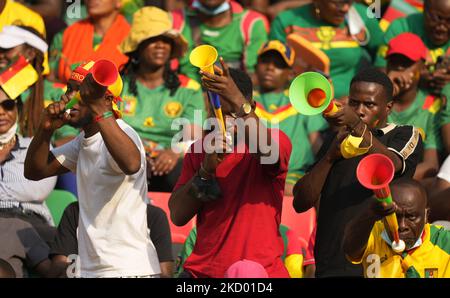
[109, 161]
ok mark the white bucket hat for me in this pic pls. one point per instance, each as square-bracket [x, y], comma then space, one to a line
[13, 36]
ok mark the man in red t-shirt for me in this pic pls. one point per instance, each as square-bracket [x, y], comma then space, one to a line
[237, 195]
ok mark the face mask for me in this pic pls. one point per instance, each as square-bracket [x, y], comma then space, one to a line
[350, 146]
[386, 238]
[7, 136]
[211, 12]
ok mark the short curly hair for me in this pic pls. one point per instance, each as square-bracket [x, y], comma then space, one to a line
[373, 75]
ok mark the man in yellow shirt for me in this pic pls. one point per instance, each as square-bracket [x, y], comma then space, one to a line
[427, 252]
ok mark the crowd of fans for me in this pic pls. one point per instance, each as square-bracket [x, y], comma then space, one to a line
[388, 63]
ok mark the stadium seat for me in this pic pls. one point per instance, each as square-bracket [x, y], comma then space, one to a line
[68, 182]
[301, 223]
[57, 202]
[179, 234]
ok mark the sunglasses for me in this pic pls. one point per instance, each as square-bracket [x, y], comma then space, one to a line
[8, 104]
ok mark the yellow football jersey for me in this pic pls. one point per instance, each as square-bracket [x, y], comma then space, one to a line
[431, 259]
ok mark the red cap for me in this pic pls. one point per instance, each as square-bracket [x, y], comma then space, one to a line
[409, 45]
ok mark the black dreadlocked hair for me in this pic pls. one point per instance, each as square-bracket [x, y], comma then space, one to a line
[30, 111]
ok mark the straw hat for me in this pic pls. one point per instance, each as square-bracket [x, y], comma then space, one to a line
[150, 22]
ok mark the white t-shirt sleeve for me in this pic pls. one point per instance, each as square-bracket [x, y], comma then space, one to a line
[136, 140]
[444, 172]
[67, 154]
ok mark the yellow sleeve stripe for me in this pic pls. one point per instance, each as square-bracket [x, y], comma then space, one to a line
[336, 45]
[192, 84]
